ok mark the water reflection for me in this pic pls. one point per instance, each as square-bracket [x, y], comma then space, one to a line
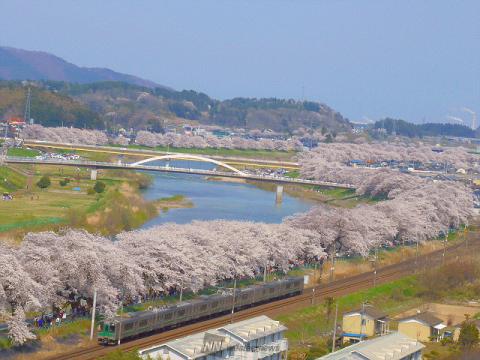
[218, 200]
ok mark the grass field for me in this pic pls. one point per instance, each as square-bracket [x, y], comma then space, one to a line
[33, 208]
[11, 180]
[22, 152]
[254, 154]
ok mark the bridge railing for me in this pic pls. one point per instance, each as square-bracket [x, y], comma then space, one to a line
[120, 165]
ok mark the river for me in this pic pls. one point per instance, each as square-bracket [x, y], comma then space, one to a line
[217, 199]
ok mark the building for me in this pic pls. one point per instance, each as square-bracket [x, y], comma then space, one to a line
[422, 326]
[394, 346]
[253, 339]
[363, 323]
[205, 345]
[260, 335]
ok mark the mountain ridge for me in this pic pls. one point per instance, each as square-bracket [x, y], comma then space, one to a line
[20, 64]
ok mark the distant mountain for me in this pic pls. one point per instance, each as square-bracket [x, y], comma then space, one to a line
[18, 64]
[404, 128]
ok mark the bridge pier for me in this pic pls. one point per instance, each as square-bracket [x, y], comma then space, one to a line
[279, 194]
[93, 174]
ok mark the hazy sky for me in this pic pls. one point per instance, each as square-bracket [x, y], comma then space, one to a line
[409, 59]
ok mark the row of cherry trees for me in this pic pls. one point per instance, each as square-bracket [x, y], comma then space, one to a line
[416, 209]
[49, 268]
[342, 152]
[146, 138]
[209, 141]
[64, 135]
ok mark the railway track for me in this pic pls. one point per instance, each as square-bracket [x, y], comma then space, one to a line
[309, 296]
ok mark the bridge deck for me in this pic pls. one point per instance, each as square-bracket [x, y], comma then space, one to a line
[170, 169]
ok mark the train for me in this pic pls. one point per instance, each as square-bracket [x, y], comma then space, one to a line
[204, 307]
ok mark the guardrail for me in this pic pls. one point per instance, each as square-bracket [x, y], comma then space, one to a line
[119, 165]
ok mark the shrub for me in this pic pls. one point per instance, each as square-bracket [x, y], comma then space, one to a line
[64, 182]
[91, 191]
[99, 187]
[44, 182]
[468, 335]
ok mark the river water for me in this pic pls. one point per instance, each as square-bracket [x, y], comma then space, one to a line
[218, 200]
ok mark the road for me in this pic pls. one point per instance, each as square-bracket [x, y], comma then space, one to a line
[231, 160]
[334, 289]
[170, 169]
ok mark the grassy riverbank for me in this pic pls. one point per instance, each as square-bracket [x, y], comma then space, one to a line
[120, 207]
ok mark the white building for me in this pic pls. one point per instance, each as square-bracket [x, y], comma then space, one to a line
[394, 346]
[259, 338]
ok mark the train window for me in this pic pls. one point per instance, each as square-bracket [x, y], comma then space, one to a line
[129, 326]
[203, 307]
[244, 296]
[142, 323]
[289, 285]
[271, 290]
[168, 316]
[298, 283]
[181, 312]
[214, 304]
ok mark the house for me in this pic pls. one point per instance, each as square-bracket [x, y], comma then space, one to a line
[363, 323]
[253, 339]
[422, 326]
[392, 346]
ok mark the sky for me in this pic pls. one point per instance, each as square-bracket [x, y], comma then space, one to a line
[418, 60]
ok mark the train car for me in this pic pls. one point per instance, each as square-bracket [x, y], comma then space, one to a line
[204, 307]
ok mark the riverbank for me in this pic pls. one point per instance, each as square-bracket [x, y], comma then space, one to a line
[70, 201]
[332, 196]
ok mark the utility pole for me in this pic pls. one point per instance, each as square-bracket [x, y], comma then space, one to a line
[375, 268]
[26, 114]
[233, 298]
[265, 273]
[93, 313]
[444, 247]
[181, 293]
[121, 314]
[416, 255]
[332, 268]
[334, 336]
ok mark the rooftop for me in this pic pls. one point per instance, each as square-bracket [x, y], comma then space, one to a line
[193, 346]
[370, 311]
[426, 318]
[253, 328]
[388, 347]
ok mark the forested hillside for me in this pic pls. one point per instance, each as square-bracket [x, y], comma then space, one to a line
[140, 107]
[47, 108]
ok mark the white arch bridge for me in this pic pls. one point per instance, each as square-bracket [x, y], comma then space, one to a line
[189, 157]
[141, 165]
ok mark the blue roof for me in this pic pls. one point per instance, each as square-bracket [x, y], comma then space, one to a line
[354, 335]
